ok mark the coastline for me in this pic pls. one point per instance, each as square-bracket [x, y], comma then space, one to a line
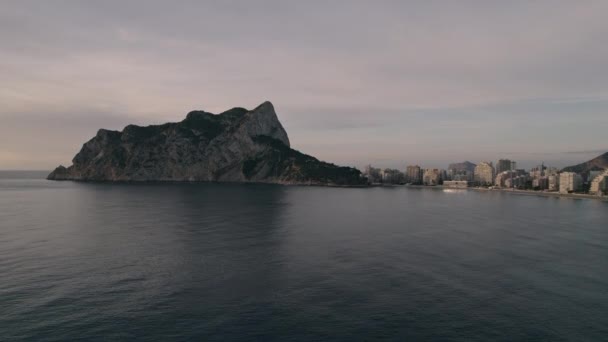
[359, 186]
[540, 193]
[508, 191]
[518, 192]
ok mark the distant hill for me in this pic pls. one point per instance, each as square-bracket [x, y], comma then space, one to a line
[597, 163]
[464, 166]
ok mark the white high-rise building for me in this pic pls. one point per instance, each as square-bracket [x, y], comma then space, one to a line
[599, 185]
[484, 173]
[570, 182]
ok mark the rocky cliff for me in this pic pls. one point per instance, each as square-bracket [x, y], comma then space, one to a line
[235, 146]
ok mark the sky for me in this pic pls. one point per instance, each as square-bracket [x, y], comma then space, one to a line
[389, 83]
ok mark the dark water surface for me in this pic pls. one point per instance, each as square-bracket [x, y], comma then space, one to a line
[259, 262]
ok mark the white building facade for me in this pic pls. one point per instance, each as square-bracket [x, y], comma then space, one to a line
[570, 182]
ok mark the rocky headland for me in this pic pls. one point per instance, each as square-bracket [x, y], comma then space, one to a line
[238, 145]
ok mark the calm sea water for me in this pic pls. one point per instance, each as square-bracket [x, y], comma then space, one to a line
[260, 262]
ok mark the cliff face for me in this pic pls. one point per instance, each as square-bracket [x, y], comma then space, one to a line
[235, 146]
[595, 164]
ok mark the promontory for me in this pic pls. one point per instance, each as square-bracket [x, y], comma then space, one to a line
[238, 145]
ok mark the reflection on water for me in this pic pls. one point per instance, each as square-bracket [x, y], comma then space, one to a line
[227, 261]
[455, 191]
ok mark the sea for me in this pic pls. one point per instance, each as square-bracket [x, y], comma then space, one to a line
[251, 262]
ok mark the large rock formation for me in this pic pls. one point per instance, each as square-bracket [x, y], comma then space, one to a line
[461, 167]
[235, 146]
[596, 164]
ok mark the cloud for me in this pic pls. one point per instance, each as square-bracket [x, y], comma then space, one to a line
[349, 78]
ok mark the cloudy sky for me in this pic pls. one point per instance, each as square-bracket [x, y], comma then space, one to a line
[385, 82]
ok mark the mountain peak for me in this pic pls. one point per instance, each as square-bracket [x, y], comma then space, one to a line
[265, 106]
[263, 120]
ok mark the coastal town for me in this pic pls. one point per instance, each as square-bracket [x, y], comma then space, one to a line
[587, 179]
